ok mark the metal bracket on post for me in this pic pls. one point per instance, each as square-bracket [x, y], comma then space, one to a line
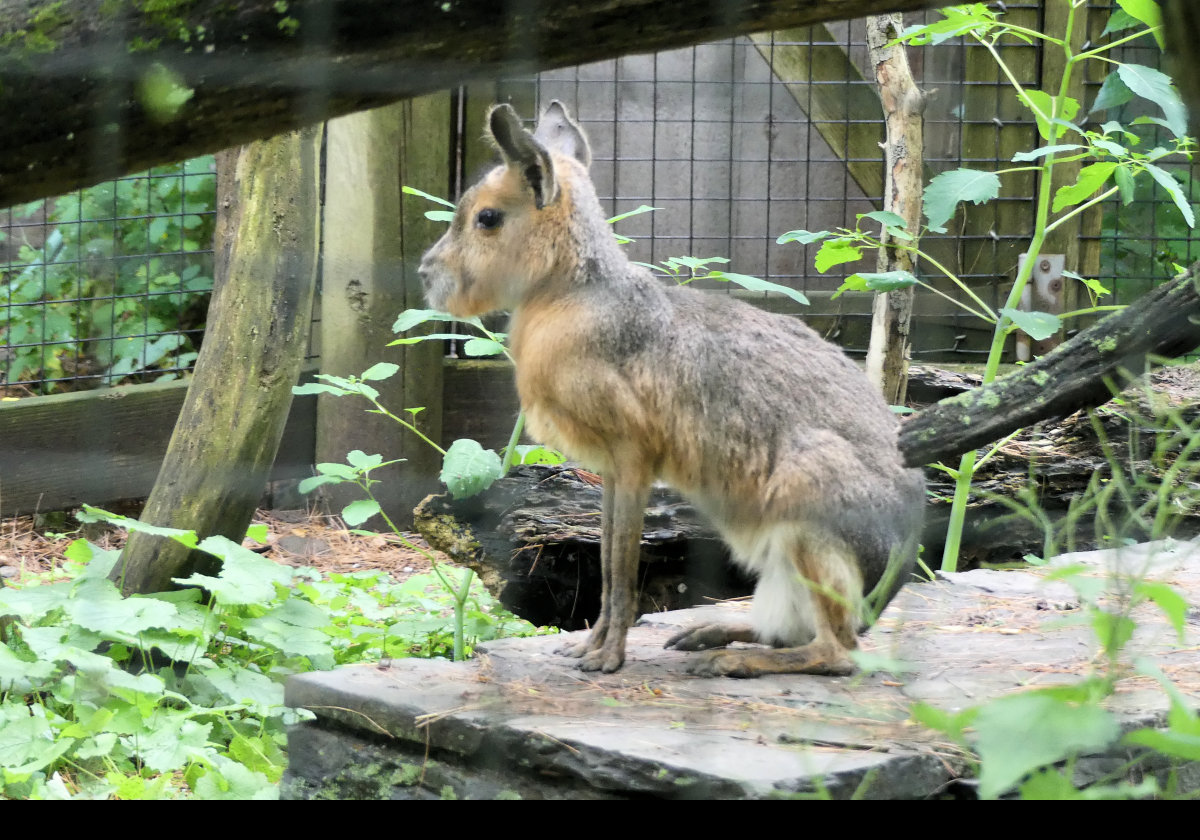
[1043, 293]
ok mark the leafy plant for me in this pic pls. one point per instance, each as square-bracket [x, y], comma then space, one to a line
[1115, 164]
[164, 695]
[105, 294]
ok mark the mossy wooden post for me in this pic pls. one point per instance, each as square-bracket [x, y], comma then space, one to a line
[228, 431]
[373, 241]
[889, 350]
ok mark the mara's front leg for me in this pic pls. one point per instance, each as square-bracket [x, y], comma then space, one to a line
[621, 539]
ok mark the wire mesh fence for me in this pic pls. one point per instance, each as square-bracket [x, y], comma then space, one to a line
[733, 143]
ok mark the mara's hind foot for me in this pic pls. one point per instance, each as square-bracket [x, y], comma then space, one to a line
[710, 636]
[821, 658]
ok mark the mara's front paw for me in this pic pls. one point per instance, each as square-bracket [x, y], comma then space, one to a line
[605, 660]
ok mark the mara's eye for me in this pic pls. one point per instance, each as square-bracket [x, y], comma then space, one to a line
[488, 218]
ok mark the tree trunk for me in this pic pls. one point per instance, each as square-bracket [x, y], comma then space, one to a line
[95, 89]
[889, 349]
[229, 429]
[1080, 373]
[374, 237]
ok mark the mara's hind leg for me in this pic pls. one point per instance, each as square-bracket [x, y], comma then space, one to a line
[833, 585]
[709, 636]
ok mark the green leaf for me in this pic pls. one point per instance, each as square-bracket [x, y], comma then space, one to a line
[1037, 325]
[1091, 179]
[440, 215]
[836, 252]
[425, 195]
[245, 578]
[356, 513]
[1022, 157]
[1124, 181]
[314, 481]
[1174, 744]
[1168, 183]
[945, 191]
[1019, 733]
[1118, 21]
[1112, 94]
[258, 533]
[804, 237]
[885, 217]
[381, 370]
[886, 281]
[320, 388]
[1042, 106]
[1113, 631]
[635, 212]
[483, 347]
[362, 461]
[173, 743]
[1173, 605]
[468, 468]
[1156, 86]
[527, 454]
[1097, 288]
[1149, 13]
[755, 284]
[410, 318]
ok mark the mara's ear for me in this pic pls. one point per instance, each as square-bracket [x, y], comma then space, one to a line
[519, 149]
[558, 132]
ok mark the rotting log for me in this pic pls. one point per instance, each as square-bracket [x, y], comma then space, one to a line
[229, 429]
[99, 88]
[904, 153]
[1083, 372]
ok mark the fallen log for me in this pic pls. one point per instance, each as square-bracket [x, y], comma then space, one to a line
[1081, 373]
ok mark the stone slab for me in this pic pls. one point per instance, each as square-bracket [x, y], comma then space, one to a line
[520, 720]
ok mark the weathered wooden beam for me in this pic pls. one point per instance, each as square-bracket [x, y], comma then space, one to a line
[94, 89]
[1079, 373]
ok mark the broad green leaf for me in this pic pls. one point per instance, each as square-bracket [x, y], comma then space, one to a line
[410, 318]
[1020, 733]
[532, 454]
[885, 217]
[1149, 13]
[314, 481]
[417, 339]
[33, 602]
[1168, 183]
[440, 215]
[755, 284]
[1179, 745]
[342, 471]
[1037, 325]
[1156, 86]
[804, 237]
[946, 190]
[1022, 157]
[1112, 94]
[1112, 631]
[356, 513]
[422, 194]
[100, 608]
[1173, 605]
[483, 347]
[1118, 21]
[226, 779]
[173, 742]
[94, 514]
[319, 388]
[1042, 106]
[1097, 288]
[956, 21]
[258, 533]
[380, 370]
[1125, 187]
[468, 468]
[1091, 179]
[362, 461]
[952, 724]
[836, 252]
[241, 685]
[887, 281]
[245, 578]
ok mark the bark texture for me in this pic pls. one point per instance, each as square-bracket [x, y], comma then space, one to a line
[229, 429]
[903, 105]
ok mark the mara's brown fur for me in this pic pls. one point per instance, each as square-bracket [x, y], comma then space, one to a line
[770, 430]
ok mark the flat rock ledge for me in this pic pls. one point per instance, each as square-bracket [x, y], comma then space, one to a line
[520, 721]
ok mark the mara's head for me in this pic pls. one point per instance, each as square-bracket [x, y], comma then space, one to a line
[518, 227]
